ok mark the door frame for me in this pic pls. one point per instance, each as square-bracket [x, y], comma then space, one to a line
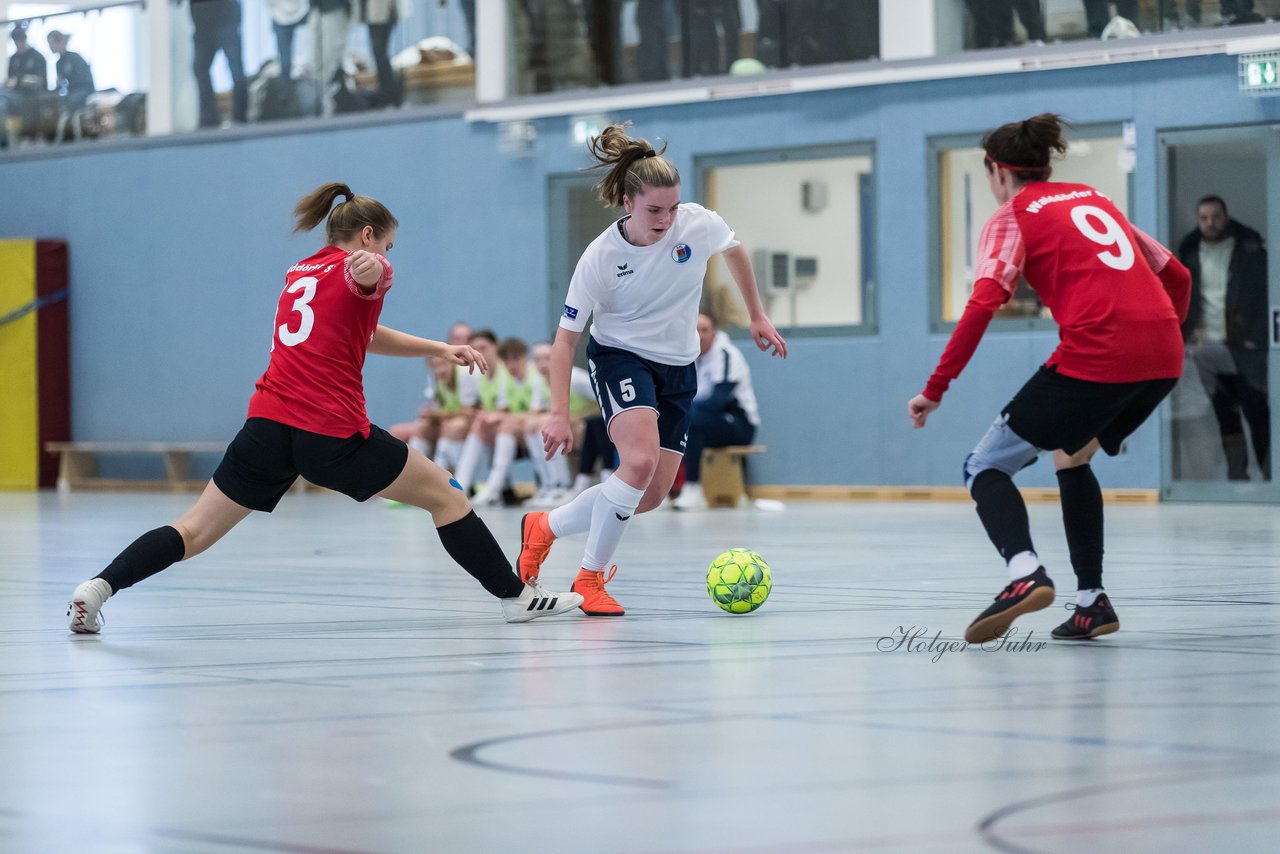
[1266, 135]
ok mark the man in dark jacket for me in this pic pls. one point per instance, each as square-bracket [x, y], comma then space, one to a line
[1227, 329]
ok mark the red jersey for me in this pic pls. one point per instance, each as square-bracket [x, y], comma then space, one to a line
[1111, 288]
[324, 323]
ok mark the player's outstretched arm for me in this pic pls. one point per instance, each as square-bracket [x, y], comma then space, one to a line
[557, 432]
[762, 331]
[391, 342]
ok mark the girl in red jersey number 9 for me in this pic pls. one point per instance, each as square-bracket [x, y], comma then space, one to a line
[307, 417]
[1119, 298]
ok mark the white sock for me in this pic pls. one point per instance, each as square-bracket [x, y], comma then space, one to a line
[472, 451]
[574, 517]
[448, 452]
[614, 507]
[1085, 598]
[1023, 564]
[504, 453]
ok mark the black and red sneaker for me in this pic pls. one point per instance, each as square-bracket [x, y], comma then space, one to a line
[1097, 619]
[1022, 596]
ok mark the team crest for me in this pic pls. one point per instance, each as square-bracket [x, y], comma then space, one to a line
[681, 253]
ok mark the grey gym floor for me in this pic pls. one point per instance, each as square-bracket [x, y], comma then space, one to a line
[326, 680]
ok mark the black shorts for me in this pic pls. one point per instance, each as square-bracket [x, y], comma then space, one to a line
[266, 457]
[1054, 412]
[622, 380]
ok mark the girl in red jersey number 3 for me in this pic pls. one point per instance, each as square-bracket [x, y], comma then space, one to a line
[307, 417]
[1119, 298]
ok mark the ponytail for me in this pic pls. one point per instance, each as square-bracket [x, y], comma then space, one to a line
[1025, 148]
[633, 165]
[347, 219]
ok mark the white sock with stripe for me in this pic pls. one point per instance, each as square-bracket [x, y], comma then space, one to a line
[613, 508]
[575, 517]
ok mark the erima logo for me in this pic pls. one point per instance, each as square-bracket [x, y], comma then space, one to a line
[623, 271]
[570, 312]
[621, 518]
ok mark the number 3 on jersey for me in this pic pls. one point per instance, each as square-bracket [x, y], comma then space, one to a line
[306, 317]
[1111, 235]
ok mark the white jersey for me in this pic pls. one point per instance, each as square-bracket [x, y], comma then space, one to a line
[724, 363]
[645, 298]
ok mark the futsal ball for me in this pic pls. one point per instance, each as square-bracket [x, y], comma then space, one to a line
[739, 581]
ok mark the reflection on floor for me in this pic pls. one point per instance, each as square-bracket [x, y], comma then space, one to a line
[325, 680]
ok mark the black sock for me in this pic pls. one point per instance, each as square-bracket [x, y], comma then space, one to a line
[469, 542]
[153, 551]
[1003, 512]
[1082, 517]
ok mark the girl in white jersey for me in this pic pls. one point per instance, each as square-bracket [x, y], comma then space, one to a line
[642, 281]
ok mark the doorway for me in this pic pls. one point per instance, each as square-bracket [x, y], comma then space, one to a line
[1216, 216]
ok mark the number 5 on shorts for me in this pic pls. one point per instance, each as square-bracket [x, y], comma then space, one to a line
[627, 389]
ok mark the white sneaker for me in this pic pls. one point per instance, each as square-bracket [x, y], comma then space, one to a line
[534, 602]
[84, 610]
[690, 498]
[486, 497]
[549, 499]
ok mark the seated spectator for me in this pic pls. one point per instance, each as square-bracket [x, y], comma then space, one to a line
[519, 395]
[441, 425]
[27, 80]
[479, 395]
[724, 409]
[75, 83]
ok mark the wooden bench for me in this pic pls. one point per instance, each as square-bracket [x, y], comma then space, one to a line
[78, 468]
[722, 480]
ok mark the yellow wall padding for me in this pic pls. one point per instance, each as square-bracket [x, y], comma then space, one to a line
[19, 390]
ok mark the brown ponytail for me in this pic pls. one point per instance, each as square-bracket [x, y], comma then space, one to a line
[347, 219]
[633, 165]
[1025, 148]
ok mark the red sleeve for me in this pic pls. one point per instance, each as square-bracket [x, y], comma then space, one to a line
[988, 296]
[1177, 283]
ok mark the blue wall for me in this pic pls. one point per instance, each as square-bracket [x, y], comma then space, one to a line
[178, 253]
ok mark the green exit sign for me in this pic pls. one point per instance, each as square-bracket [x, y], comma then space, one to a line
[1260, 73]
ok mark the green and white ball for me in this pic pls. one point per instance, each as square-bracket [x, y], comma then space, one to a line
[739, 581]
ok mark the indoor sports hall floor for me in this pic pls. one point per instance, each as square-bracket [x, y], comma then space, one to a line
[325, 680]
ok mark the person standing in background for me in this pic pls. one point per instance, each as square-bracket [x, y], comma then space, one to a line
[1226, 330]
[217, 28]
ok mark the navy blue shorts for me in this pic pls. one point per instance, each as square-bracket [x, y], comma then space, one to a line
[266, 457]
[623, 380]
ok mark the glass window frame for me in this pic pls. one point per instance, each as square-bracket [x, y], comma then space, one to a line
[936, 145]
[704, 164]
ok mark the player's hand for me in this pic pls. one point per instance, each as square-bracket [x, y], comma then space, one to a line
[366, 267]
[765, 336]
[918, 409]
[461, 354]
[557, 433]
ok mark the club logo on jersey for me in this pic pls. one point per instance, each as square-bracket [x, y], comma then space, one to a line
[624, 271]
[570, 312]
[681, 253]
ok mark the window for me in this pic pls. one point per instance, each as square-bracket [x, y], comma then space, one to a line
[806, 218]
[1099, 157]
